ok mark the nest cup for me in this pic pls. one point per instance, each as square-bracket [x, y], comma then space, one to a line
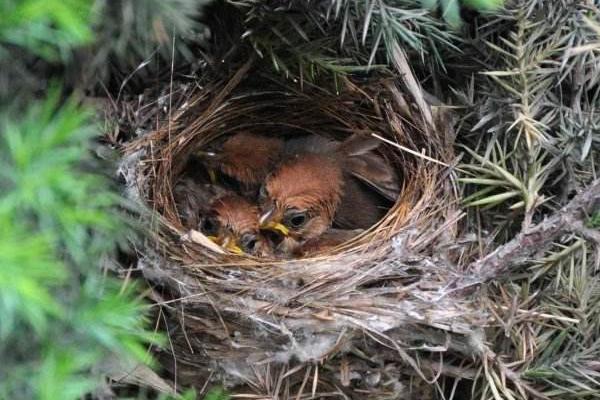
[288, 328]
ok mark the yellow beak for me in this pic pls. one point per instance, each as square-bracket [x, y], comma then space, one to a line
[277, 227]
[227, 243]
[230, 245]
[266, 222]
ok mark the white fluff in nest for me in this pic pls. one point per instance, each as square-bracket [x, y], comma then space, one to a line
[477, 341]
[232, 373]
[313, 347]
[129, 170]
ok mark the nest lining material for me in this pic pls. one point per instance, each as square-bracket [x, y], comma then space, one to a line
[282, 108]
[263, 325]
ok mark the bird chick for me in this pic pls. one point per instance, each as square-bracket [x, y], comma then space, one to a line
[232, 223]
[300, 199]
[343, 183]
[192, 200]
[246, 157]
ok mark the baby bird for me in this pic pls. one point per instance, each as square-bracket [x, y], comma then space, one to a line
[192, 200]
[346, 183]
[232, 223]
[245, 157]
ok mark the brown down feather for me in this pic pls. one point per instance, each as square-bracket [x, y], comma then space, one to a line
[308, 182]
[249, 158]
[236, 214]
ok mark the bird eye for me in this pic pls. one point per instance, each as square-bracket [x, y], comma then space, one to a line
[248, 243]
[210, 226]
[298, 220]
[262, 193]
[295, 219]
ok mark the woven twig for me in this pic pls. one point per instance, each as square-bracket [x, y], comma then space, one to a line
[264, 325]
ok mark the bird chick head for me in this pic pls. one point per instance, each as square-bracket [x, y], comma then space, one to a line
[246, 157]
[300, 198]
[232, 223]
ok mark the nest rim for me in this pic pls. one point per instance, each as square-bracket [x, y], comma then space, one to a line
[419, 180]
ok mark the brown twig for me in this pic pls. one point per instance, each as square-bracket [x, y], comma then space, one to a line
[537, 237]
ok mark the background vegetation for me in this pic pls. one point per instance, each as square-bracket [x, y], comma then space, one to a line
[63, 318]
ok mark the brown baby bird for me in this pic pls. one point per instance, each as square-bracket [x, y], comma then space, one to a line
[324, 183]
[224, 217]
[245, 157]
[232, 223]
[192, 200]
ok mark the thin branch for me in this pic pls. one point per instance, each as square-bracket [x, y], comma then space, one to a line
[540, 236]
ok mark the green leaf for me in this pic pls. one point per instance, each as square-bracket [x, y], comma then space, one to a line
[594, 220]
[217, 394]
[28, 274]
[61, 374]
[47, 28]
[495, 199]
[57, 223]
[429, 4]
[451, 13]
[484, 5]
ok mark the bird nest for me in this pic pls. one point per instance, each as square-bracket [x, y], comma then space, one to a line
[348, 322]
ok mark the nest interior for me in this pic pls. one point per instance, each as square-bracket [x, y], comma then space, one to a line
[329, 324]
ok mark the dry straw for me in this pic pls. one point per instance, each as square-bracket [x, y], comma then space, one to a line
[365, 320]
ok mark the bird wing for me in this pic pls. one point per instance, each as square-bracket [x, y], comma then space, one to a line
[361, 207]
[375, 171]
[358, 144]
[315, 144]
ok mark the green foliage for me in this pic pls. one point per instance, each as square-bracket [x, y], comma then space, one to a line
[499, 185]
[405, 23]
[558, 303]
[530, 128]
[26, 295]
[594, 220]
[109, 39]
[62, 318]
[60, 314]
[450, 9]
[47, 28]
[35, 37]
[484, 5]
[536, 105]
[130, 32]
[216, 394]
[306, 39]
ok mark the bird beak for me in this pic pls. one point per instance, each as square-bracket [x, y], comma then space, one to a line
[277, 227]
[231, 246]
[265, 221]
[265, 217]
